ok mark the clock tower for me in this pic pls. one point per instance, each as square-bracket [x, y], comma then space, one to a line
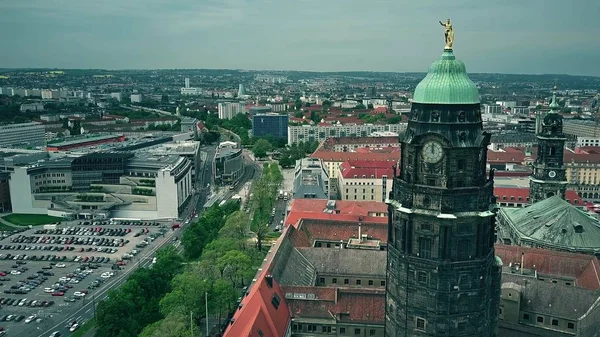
[443, 278]
[549, 174]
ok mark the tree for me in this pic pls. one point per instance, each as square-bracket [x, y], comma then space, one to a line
[307, 104]
[370, 106]
[236, 227]
[234, 266]
[315, 116]
[394, 120]
[187, 295]
[298, 114]
[298, 104]
[260, 148]
[174, 325]
[360, 106]
[225, 296]
[286, 161]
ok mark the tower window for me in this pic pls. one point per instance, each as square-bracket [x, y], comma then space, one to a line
[422, 277]
[420, 323]
[425, 248]
[540, 319]
[552, 150]
[461, 164]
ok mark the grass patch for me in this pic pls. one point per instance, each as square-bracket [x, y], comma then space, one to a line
[6, 228]
[84, 328]
[31, 219]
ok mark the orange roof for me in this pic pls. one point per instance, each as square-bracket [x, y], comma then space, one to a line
[391, 153]
[360, 168]
[344, 211]
[520, 195]
[258, 316]
[584, 268]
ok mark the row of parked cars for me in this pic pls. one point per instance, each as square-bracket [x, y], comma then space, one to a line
[18, 318]
[138, 223]
[25, 286]
[67, 240]
[85, 231]
[24, 302]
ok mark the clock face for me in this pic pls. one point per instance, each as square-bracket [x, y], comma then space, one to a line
[552, 174]
[432, 152]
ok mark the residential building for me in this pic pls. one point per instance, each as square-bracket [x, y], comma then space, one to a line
[443, 278]
[278, 106]
[310, 180]
[31, 134]
[515, 196]
[136, 98]
[323, 131]
[255, 110]
[228, 164]
[581, 128]
[229, 109]
[32, 107]
[270, 125]
[51, 94]
[588, 141]
[116, 95]
[365, 180]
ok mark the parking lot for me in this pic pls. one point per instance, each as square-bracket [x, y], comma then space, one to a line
[46, 275]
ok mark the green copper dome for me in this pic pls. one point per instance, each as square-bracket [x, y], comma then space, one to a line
[446, 83]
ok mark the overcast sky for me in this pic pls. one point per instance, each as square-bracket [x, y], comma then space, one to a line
[499, 36]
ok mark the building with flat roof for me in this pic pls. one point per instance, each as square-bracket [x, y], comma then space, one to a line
[270, 125]
[228, 110]
[310, 179]
[323, 131]
[149, 182]
[88, 140]
[256, 110]
[30, 134]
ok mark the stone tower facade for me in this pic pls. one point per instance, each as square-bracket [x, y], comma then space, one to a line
[443, 278]
[549, 176]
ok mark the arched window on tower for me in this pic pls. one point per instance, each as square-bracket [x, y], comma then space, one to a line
[552, 150]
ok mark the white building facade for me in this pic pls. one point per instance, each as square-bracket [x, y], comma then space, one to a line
[230, 109]
[310, 133]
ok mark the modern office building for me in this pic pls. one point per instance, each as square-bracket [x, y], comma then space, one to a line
[270, 125]
[228, 110]
[145, 181]
[228, 165]
[311, 133]
[32, 107]
[116, 95]
[30, 134]
[443, 278]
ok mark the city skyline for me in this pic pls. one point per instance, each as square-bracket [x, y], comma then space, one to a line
[535, 37]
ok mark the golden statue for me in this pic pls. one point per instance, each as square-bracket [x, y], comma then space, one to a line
[448, 33]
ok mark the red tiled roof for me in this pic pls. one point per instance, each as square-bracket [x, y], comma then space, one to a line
[360, 168]
[584, 268]
[361, 305]
[258, 313]
[380, 109]
[513, 194]
[505, 157]
[344, 211]
[330, 142]
[337, 230]
[393, 154]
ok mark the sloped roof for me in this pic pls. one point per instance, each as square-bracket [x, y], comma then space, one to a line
[555, 222]
[346, 261]
[552, 299]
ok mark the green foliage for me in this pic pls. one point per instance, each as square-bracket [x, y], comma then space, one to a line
[136, 304]
[22, 219]
[89, 198]
[315, 116]
[394, 120]
[148, 182]
[263, 198]
[298, 114]
[142, 191]
[360, 106]
[261, 147]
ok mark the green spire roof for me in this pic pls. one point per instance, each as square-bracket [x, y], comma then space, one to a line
[553, 104]
[446, 82]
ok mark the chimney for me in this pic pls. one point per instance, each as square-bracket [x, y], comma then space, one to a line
[522, 262]
[269, 279]
[359, 231]
[364, 238]
[336, 295]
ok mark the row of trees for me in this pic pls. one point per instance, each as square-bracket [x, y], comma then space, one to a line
[264, 194]
[136, 303]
